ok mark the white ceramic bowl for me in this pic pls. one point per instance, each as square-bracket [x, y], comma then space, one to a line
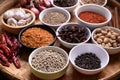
[70, 9]
[93, 8]
[100, 52]
[82, 2]
[65, 12]
[109, 50]
[49, 75]
[70, 45]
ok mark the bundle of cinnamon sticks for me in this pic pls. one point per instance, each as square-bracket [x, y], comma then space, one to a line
[115, 18]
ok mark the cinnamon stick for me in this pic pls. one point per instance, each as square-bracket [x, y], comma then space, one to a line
[116, 18]
[110, 23]
[113, 18]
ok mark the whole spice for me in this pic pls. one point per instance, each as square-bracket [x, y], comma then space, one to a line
[36, 37]
[49, 61]
[73, 33]
[54, 18]
[9, 49]
[88, 61]
[91, 17]
[99, 2]
[64, 3]
[107, 37]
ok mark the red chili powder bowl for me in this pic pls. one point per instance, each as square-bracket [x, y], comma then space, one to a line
[91, 17]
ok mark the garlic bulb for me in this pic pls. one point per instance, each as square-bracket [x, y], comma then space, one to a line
[19, 14]
[21, 22]
[12, 22]
[8, 14]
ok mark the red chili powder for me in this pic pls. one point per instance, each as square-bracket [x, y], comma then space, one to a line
[91, 17]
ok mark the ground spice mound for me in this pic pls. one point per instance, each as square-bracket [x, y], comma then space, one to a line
[92, 17]
[36, 37]
[54, 18]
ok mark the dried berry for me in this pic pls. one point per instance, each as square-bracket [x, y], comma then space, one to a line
[73, 34]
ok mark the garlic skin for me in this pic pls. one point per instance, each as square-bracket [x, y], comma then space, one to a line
[8, 14]
[19, 14]
[27, 15]
[12, 22]
[21, 22]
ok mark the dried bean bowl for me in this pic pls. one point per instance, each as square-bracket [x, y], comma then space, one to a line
[49, 75]
[40, 37]
[107, 40]
[78, 34]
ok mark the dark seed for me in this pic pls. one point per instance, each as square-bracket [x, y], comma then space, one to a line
[88, 61]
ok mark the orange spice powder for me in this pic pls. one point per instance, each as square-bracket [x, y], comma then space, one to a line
[91, 17]
[36, 37]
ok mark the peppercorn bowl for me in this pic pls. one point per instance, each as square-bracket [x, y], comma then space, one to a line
[99, 2]
[92, 15]
[108, 37]
[38, 35]
[69, 5]
[72, 34]
[88, 58]
[54, 17]
[51, 63]
[15, 19]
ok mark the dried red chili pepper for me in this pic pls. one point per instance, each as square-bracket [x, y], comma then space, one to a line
[9, 47]
[7, 38]
[16, 61]
[4, 60]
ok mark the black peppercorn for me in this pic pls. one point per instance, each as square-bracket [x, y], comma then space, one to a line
[88, 61]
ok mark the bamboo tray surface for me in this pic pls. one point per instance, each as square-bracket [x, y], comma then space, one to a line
[111, 72]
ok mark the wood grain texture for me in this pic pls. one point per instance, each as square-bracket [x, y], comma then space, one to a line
[6, 4]
[109, 73]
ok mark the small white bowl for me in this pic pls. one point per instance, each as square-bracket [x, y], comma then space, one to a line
[93, 8]
[110, 50]
[100, 52]
[65, 12]
[70, 9]
[49, 75]
[105, 2]
[67, 44]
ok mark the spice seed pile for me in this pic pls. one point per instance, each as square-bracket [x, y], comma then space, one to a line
[99, 2]
[64, 3]
[49, 61]
[88, 61]
[54, 18]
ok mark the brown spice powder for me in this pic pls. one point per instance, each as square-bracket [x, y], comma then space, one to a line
[36, 37]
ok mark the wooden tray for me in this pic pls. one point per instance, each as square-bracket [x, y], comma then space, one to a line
[111, 72]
